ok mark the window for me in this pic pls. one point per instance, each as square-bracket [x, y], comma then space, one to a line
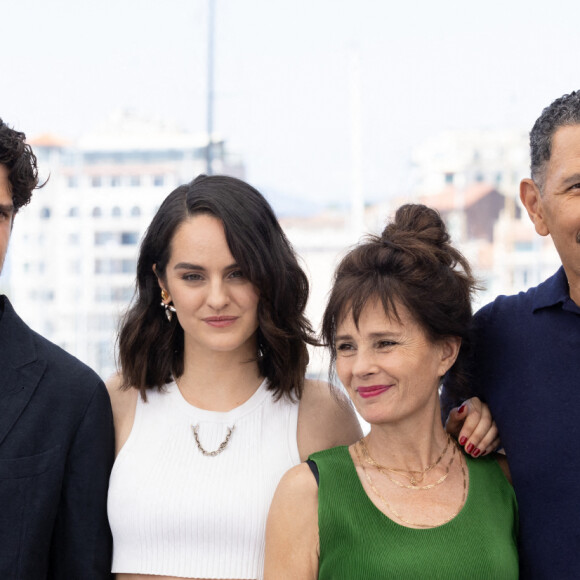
[116, 212]
[43, 295]
[115, 266]
[129, 238]
[135, 211]
[101, 323]
[115, 181]
[104, 266]
[96, 181]
[113, 294]
[104, 238]
[135, 181]
[73, 212]
[158, 180]
[97, 212]
[72, 181]
[44, 213]
[129, 266]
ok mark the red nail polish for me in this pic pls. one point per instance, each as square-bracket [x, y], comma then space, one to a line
[476, 452]
[469, 448]
[462, 440]
[461, 409]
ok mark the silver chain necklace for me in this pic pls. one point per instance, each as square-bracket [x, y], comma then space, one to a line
[221, 447]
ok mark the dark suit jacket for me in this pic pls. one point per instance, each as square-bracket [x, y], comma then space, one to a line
[56, 453]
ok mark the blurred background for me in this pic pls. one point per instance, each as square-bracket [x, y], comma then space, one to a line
[337, 110]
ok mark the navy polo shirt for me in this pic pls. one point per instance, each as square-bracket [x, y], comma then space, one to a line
[527, 368]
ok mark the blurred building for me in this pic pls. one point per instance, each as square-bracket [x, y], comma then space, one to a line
[74, 249]
[472, 177]
[463, 157]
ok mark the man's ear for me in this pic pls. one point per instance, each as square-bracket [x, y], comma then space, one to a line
[532, 199]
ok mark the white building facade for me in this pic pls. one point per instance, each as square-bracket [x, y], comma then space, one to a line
[74, 250]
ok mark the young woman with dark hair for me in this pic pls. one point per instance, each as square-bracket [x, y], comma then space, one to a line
[404, 501]
[211, 405]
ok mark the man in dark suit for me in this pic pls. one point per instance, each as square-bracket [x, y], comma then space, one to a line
[56, 430]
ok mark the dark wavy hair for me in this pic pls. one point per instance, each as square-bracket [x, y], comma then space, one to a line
[18, 157]
[151, 348]
[564, 111]
[412, 263]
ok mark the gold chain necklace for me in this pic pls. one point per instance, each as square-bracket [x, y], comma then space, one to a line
[414, 480]
[195, 430]
[398, 515]
[222, 445]
[416, 487]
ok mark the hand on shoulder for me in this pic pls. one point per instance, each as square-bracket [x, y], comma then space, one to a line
[473, 427]
[326, 418]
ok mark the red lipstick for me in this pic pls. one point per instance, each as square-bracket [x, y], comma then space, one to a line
[372, 391]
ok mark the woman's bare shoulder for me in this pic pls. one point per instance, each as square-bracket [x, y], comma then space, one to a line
[299, 481]
[321, 392]
[124, 404]
[503, 463]
[122, 399]
[292, 527]
[326, 418]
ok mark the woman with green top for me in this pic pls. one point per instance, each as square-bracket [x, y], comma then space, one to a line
[404, 501]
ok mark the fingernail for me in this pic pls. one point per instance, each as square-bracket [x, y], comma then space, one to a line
[461, 409]
[469, 448]
[462, 440]
[476, 452]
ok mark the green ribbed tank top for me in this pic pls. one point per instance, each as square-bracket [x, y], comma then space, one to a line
[359, 542]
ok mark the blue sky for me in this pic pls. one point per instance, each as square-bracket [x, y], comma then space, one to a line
[282, 77]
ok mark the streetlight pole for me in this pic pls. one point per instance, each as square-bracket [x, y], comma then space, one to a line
[210, 95]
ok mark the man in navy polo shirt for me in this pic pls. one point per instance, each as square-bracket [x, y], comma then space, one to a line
[527, 358]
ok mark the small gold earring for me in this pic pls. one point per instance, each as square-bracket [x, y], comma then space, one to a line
[169, 308]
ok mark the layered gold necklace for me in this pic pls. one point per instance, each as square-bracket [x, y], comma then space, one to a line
[385, 470]
[414, 476]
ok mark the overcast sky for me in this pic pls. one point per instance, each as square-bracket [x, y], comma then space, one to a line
[282, 75]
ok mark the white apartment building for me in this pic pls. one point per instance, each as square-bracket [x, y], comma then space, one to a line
[74, 249]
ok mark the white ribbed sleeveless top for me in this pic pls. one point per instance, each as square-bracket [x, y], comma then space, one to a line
[174, 511]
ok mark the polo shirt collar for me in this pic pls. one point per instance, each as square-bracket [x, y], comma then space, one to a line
[554, 291]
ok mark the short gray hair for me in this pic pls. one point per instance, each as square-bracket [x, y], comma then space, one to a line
[562, 112]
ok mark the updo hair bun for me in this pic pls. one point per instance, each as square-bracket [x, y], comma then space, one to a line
[420, 231]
